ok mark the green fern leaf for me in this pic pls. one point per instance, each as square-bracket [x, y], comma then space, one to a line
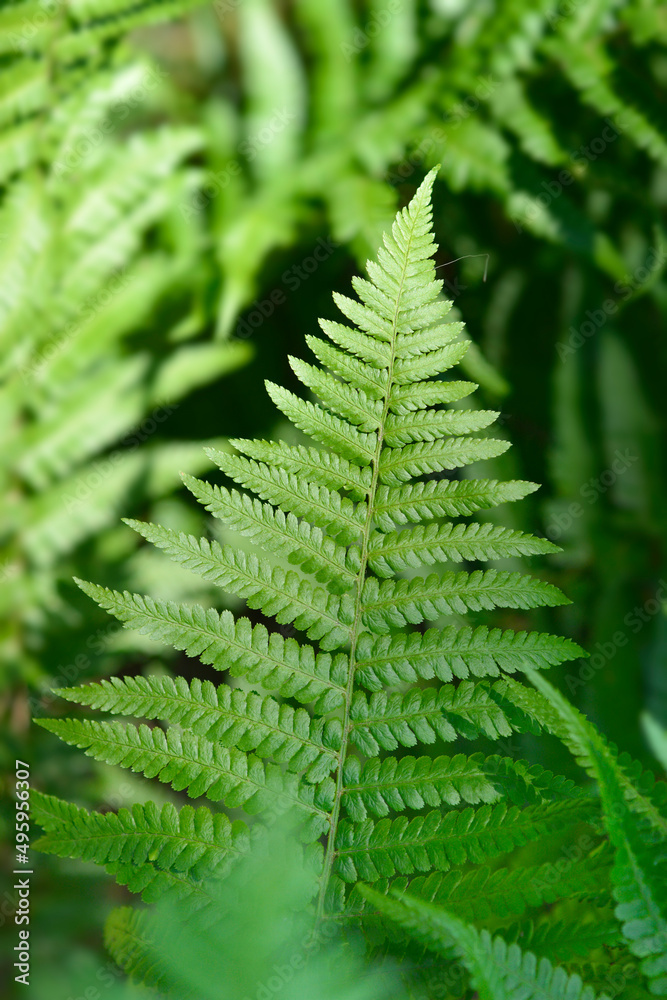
[399, 465]
[308, 546]
[405, 429]
[482, 894]
[347, 517]
[352, 404]
[369, 350]
[320, 505]
[396, 550]
[236, 645]
[569, 940]
[129, 939]
[448, 652]
[190, 762]
[284, 595]
[388, 721]
[328, 429]
[322, 468]
[640, 869]
[380, 786]
[371, 381]
[189, 841]
[402, 602]
[588, 746]
[369, 851]
[230, 717]
[422, 501]
[410, 398]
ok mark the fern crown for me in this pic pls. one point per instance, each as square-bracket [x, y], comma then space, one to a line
[355, 542]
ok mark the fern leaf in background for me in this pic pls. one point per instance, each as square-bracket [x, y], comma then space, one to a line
[497, 972]
[638, 830]
[634, 818]
[89, 217]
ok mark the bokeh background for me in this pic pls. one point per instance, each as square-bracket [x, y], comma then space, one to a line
[182, 186]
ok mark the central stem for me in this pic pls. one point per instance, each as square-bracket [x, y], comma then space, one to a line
[356, 625]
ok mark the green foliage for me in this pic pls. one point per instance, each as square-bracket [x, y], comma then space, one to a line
[150, 850]
[509, 100]
[638, 882]
[639, 835]
[250, 749]
[182, 215]
[89, 217]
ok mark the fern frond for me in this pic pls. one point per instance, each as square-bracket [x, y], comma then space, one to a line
[231, 717]
[589, 70]
[402, 602]
[657, 738]
[399, 465]
[589, 747]
[380, 786]
[308, 546]
[194, 842]
[411, 370]
[371, 351]
[350, 403]
[247, 650]
[411, 398]
[294, 494]
[524, 784]
[371, 381]
[423, 501]
[424, 426]
[321, 467]
[352, 514]
[392, 551]
[325, 427]
[640, 868]
[193, 763]
[569, 940]
[129, 938]
[482, 894]
[369, 851]
[422, 716]
[105, 20]
[282, 594]
[418, 341]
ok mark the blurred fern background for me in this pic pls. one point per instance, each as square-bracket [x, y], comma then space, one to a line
[182, 185]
